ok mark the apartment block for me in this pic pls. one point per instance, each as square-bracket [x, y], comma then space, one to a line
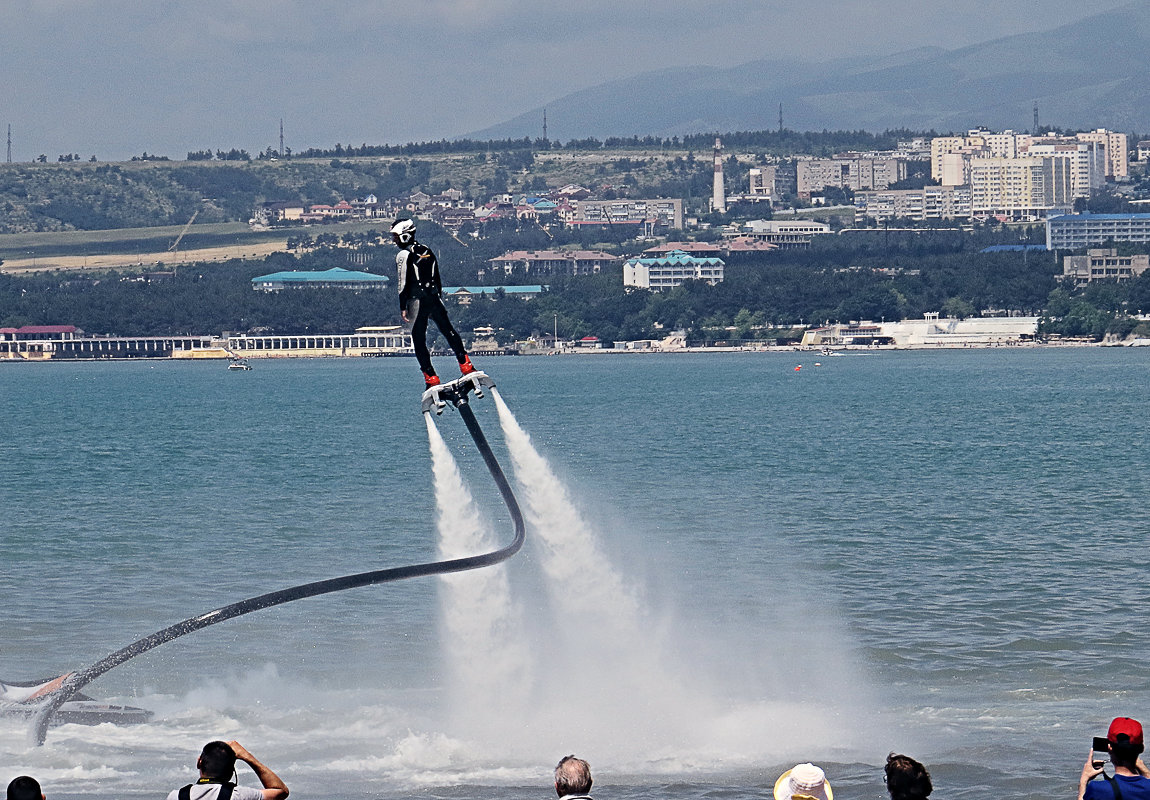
[976, 142]
[1103, 265]
[663, 211]
[928, 203]
[1078, 231]
[1018, 188]
[1105, 151]
[1117, 157]
[772, 181]
[857, 174]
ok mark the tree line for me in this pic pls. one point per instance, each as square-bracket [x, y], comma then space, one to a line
[873, 276]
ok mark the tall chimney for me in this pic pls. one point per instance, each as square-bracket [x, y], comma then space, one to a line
[719, 196]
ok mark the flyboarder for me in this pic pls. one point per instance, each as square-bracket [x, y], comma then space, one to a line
[419, 299]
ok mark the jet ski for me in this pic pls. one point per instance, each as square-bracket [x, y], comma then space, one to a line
[21, 699]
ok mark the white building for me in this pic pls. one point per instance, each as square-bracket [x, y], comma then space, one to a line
[927, 332]
[929, 202]
[670, 270]
[947, 153]
[1117, 151]
[785, 233]
[1076, 231]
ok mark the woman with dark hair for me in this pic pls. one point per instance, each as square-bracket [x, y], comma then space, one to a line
[906, 779]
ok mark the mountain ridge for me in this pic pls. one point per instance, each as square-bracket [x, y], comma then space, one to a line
[1089, 74]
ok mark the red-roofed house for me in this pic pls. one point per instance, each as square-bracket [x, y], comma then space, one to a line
[690, 248]
[39, 333]
[553, 262]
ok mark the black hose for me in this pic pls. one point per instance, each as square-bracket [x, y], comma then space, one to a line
[77, 680]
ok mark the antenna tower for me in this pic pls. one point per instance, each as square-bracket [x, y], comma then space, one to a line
[9, 142]
[780, 117]
[544, 125]
[281, 137]
[1035, 117]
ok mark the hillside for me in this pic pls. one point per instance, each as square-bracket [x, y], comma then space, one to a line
[38, 198]
[1086, 75]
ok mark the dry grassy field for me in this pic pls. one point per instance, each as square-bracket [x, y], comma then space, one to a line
[140, 260]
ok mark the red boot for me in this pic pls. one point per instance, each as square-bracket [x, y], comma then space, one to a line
[466, 368]
[430, 380]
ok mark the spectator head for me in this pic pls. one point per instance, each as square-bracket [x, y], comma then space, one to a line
[907, 779]
[1125, 737]
[25, 788]
[803, 780]
[217, 761]
[572, 776]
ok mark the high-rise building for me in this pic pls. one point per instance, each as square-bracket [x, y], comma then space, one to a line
[1117, 151]
[847, 172]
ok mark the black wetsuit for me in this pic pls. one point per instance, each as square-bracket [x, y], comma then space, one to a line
[419, 295]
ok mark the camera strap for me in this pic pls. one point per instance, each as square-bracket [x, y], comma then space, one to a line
[1113, 785]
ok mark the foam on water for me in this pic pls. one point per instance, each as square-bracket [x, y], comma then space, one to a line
[641, 685]
[562, 649]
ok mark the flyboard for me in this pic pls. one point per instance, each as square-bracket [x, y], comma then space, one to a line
[59, 700]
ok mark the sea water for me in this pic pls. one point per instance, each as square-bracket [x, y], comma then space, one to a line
[732, 565]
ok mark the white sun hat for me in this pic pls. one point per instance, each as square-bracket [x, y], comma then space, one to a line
[803, 780]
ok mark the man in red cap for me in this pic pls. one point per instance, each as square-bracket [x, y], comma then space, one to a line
[1131, 780]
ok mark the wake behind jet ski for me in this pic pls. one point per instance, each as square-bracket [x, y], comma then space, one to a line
[23, 699]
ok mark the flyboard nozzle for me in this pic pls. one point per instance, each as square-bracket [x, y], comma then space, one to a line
[455, 392]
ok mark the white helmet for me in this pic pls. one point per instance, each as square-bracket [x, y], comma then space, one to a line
[404, 231]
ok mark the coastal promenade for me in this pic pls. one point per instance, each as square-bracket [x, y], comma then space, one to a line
[64, 342]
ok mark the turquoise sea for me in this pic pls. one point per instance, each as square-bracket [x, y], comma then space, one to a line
[941, 553]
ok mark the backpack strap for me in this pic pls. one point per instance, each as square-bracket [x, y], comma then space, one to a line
[1113, 785]
[225, 792]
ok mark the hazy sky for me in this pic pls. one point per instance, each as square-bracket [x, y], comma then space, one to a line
[115, 78]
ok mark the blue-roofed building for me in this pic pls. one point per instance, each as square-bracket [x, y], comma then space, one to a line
[670, 270]
[1013, 248]
[1079, 231]
[335, 278]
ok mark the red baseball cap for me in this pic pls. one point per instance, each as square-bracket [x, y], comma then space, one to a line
[1124, 726]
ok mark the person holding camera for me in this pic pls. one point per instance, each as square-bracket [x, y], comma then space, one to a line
[1131, 779]
[217, 766]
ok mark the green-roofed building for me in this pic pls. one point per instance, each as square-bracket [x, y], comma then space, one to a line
[670, 270]
[335, 278]
[463, 294]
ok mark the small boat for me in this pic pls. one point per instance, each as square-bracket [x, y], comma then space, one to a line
[20, 699]
[241, 364]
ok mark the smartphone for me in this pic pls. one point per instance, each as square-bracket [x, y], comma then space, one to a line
[1101, 751]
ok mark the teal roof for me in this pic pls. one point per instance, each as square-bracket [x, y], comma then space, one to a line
[531, 289]
[677, 257]
[324, 276]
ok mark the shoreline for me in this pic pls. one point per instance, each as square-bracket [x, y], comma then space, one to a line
[771, 349]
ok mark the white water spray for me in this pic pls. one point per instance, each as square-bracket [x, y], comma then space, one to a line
[640, 687]
[484, 641]
[607, 650]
